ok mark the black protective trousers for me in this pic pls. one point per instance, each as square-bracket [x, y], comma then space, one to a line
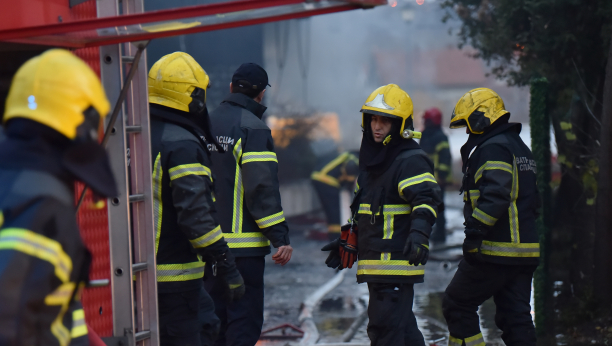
[241, 321]
[392, 322]
[510, 287]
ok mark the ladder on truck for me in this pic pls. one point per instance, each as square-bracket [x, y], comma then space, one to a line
[123, 69]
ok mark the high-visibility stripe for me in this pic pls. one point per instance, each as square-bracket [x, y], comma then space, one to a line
[39, 246]
[1, 218]
[356, 187]
[79, 328]
[334, 228]
[388, 226]
[490, 165]
[244, 240]
[484, 217]
[441, 145]
[426, 207]
[443, 167]
[391, 267]
[476, 340]
[207, 239]
[510, 249]
[180, 271]
[157, 199]
[418, 179]
[189, 169]
[61, 295]
[385, 256]
[325, 179]
[397, 209]
[238, 191]
[259, 156]
[271, 220]
[365, 209]
[453, 341]
[513, 210]
[474, 195]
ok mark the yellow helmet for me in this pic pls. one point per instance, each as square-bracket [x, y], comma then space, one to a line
[391, 101]
[478, 109]
[58, 90]
[178, 81]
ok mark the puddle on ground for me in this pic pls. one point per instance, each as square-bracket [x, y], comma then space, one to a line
[335, 316]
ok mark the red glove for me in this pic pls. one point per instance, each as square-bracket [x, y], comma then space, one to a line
[348, 245]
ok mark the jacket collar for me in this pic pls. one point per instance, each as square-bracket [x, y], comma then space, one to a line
[475, 140]
[247, 103]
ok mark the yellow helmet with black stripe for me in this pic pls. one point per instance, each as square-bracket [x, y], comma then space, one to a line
[59, 90]
[178, 81]
[478, 109]
[391, 101]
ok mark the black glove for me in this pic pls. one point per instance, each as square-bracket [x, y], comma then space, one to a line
[417, 248]
[474, 234]
[225, 266]
[333, 260]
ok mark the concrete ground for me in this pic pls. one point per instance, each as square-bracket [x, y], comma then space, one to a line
[286, 288]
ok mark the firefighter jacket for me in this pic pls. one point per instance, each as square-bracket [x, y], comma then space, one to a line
[499, 190]
[43, 261]
[340, 171]
[247, 192]
[185, 221]
[435, 143]
[385, 206]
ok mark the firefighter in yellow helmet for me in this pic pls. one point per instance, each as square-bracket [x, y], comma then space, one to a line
[395, 205]
[501, 247]
[187, 229]
[52, 116]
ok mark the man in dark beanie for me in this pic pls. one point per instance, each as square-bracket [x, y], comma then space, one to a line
[248, 202]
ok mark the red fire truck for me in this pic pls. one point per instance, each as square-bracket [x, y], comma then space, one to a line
[111, 36]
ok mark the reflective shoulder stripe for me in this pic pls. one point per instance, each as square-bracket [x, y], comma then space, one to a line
[157, 199]
[79, 328]
[39, 246]
[426, 207]
[335, 163]
[244, 240]
[391, 267]
[189, 169]
[325, 179]
[356, 187]
[441, 145]
[259, 156]
[421, 178]
[484, 217]
[490, 165]
[271, 220]
[476, 340]
[207, 239]
[180, 271]
[510, 249]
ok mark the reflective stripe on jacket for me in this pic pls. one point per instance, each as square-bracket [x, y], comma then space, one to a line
[384, 206]
[247, 189]
[501, 193]
[186, 227]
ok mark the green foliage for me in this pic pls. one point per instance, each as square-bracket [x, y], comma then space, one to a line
[529, 38]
